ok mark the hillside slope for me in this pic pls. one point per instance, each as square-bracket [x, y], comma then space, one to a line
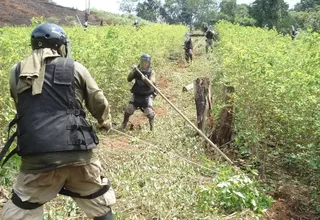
[19, 12]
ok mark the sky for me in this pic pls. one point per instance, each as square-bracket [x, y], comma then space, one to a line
[113, 5]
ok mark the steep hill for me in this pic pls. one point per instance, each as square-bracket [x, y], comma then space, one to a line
[19, 12]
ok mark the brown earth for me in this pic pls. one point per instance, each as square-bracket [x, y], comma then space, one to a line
[293, 202]
[19, 12]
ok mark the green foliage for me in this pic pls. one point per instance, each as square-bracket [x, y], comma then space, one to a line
[111, 18]
[109, 53]
[306, 5]
[128, 6]
[37, 20]
[307, 20]
[243, 17]
[228, 7]
[277, 93]
[231, 193]
[148, 10]
[149, 182]
[269, 12]
[53, 20]
[70, 21]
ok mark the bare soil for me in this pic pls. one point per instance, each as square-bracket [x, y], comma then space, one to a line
[19, 12]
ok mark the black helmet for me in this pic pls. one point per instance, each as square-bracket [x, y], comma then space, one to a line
[145, 62]
[48, 36]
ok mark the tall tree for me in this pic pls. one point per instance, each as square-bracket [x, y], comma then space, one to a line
[189, 11]
[269, 13]
[128, 6]
[148, 10]
[306, 5]
[243, 17]
[228, 8]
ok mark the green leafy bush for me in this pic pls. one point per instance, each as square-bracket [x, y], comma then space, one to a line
[277, 95]
[231, 193]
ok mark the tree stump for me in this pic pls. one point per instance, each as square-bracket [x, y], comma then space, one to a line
[222, 135]
[202, 94]
[225, 131]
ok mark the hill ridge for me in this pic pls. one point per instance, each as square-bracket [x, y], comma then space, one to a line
[19, 12]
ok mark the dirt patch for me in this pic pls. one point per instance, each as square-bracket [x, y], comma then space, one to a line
[293, 201]
[161, 111]
[139, 120]
[116, 142]
[281, 210]
[163, 82]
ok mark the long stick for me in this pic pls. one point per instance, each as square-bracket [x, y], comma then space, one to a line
[185, 118]
[79, 21]
[198, 43]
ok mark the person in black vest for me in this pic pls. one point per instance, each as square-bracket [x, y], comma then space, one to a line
[188, 47]
[56, 144]
[209, 39]
[143, 92]
[293, 32]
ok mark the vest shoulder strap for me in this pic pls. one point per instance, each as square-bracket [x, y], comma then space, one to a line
[64, 71]
[6, 149]
[17, 72]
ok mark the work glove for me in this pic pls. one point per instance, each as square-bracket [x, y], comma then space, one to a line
[137, 75]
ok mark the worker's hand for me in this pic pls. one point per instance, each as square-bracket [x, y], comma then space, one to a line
[106, 126]
[155, 93]
[134, 67]
[137, 75]
[143, 77]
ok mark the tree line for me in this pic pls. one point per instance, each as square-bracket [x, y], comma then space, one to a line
[260, 13]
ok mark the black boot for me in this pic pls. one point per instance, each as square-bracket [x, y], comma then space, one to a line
[107, 216]
[151, 120]
[125, 121]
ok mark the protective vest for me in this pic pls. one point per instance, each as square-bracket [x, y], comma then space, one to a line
[53, 120]
[209, 35]
[140, 87]
[50, 122]
[188, 45]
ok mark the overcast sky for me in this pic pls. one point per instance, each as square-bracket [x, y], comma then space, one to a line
[113, 5]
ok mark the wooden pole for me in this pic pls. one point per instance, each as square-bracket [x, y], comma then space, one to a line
[184, 117]
[202, 96]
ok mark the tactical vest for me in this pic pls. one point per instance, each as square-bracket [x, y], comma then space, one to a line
[188, 44]
[50, 122]
[53, 120]
[209, 35]
[140, 87]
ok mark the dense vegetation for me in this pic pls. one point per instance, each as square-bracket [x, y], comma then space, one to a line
[277, 96]
[260, 13]
[276, 103]
[109, 52]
